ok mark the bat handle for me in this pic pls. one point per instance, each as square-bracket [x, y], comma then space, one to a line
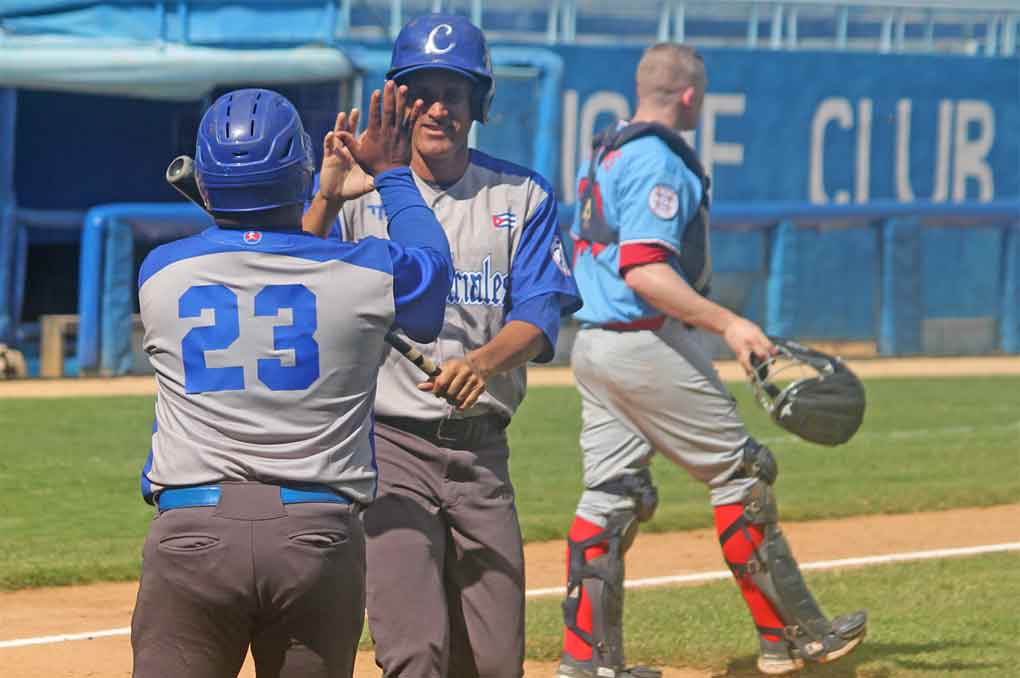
[423, 362]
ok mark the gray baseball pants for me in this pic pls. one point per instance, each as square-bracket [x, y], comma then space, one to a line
[445, 560]
[286, 580]
[653, 391]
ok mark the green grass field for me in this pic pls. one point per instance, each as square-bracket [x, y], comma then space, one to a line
[70, 512]
[936, 618]
[70, 509]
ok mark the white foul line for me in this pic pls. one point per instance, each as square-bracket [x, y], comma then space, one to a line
[702, 577]
[697, 578]
[45, 640]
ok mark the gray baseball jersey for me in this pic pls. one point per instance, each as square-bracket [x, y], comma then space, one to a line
[266, 347]
[500, 220]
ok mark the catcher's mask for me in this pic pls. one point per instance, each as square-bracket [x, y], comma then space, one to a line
[809, 393]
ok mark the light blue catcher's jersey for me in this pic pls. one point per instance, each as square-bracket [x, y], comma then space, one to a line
[266, 347]
[647, 195]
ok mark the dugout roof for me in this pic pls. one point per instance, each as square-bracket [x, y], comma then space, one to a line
[154, 71]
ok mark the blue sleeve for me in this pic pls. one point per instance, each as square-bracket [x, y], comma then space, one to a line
[543, 312]
[540, 269]
[422, 264]
[656, 194]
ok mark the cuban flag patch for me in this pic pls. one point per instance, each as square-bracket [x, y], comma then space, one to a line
[252, 237]
[504, 220]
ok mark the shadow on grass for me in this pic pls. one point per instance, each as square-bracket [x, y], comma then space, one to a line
[873, 660]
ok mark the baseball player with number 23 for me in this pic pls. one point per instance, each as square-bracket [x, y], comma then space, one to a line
[647, 385]
[266, 342]
[445, 560]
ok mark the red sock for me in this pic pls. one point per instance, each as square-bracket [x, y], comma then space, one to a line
[737, 551]
[573, 644]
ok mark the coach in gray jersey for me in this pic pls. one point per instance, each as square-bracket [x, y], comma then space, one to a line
[445, 561]
[266, 342]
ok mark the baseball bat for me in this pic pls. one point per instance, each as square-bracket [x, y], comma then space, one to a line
[180, 174]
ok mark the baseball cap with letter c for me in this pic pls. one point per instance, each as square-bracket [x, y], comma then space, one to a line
[448, 42]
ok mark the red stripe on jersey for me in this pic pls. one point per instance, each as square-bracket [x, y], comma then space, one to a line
[641, 253]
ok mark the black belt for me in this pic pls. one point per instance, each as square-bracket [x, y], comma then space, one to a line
[452, 433]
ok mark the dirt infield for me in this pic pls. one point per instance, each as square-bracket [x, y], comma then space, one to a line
[874, 368]
[81, 609]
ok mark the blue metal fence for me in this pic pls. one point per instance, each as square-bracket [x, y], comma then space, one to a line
[859, 272]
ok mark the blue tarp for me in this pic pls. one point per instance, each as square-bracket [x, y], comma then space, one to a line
[150, 71]
[259, 23]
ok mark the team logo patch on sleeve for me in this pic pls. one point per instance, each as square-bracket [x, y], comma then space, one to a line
[559, 256]
[252, 237]
[663, 201]
[504, 220]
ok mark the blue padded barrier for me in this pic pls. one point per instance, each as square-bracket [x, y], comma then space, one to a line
[545, 155]
[781, 292]
[20, 278]
[90, 279]
[8, 268]
[740, 270]
[813, 264]
[902, 298]
[36, 226]
[119, 292]
[107, 289]
[1009, 323]
[8, 236]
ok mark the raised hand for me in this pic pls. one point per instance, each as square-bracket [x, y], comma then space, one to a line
[386, 141]
[341, 178]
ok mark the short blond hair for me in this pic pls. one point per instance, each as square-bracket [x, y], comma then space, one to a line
[666, 69]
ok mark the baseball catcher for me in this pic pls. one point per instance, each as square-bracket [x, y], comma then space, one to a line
[643, 265]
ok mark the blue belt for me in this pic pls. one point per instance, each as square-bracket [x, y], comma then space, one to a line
[209, 495]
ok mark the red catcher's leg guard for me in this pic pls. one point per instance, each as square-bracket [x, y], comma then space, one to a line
[573, 644]
[733, 532]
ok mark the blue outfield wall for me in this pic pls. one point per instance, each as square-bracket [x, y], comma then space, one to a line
[811, 272]
[815, 127]
[823, 127]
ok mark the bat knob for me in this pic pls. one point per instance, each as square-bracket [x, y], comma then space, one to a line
[181, 166]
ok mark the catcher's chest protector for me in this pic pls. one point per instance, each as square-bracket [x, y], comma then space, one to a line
[695, 258]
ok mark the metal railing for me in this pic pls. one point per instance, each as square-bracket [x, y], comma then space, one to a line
[977, 27]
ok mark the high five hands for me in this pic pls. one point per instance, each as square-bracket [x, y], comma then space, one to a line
[386, 142]
[350, 162]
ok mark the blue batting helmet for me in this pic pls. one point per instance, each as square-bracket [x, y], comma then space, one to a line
[253, 153]
[449, 42]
